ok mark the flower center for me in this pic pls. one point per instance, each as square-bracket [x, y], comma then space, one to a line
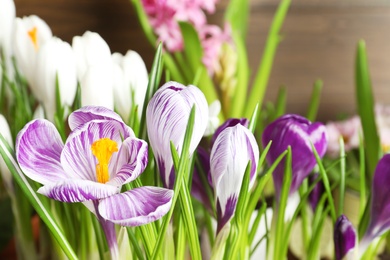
[34, 37]
[103, 149]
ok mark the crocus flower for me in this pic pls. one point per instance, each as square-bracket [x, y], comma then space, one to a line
[214, 110]
[167, 116]
[380, 204]
[298, 133]
[131, 82]
[345, 239]
[233, 149]
[90, 49]
[99, 156]
[55, 59]
[30, 34]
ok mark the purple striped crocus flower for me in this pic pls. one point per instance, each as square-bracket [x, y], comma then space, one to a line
[99, 156]
[298, 133]
[167, 116]
[380, 204]
[234, 147]
[345, 239]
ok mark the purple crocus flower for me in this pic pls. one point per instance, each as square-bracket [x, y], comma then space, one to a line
[344, 239]
[380, 203]
[99, 156]
[233, 149]
[298, 133]
[167, 116]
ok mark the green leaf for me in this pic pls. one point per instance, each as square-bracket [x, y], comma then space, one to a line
[280, 105]
[264, 70]
[242, 76]
[154, 80]
[39, 206]
[237, 14]
[365, 105]
[314, 100]
[192, 46]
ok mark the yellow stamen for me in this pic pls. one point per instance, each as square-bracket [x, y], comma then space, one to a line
[103, 150]
[33, 33]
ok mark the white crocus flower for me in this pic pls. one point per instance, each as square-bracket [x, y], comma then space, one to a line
[131, 78]
[90, 49]
[55, 58]
[30, 34]
[7, 18]
[97, 87]
[4, 171]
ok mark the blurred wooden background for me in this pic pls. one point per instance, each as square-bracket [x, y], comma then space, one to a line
[320, 40]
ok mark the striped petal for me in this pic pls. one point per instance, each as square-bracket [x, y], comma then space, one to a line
[77, 190]
[89, 113]
[167, 117]
[345, 239]
[77, 158]
[233, 149]
[38, 150]
[131, 161]
[136, 207]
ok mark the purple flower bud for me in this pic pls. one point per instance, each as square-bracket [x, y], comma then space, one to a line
[298, 133]
[228, 123]
[344, 238]
[380, 203]
[233, 149]
[167, 117]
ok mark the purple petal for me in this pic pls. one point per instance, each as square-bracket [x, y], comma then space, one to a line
[233, 149]
[38, 150]
[131, 161]
[136, 207]
[78, 190]
[228, 123]
[225, 212]
[77, 158]
[380, 201]
[167, 117]
[299, 133]
[89, 113]
[344, 237]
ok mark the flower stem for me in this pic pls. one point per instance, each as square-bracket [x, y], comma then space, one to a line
[109, 231]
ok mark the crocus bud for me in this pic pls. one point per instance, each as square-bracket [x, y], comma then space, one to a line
[31, 33]
[233, 149]
[228, 123]
[131, 80]
[97, 87]
[345, 239]
[298, 133]
[55, 58]
[90, 49]
[214, 110]
[167, 116]
[380, 204]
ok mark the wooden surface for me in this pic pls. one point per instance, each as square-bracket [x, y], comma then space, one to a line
[319, 41]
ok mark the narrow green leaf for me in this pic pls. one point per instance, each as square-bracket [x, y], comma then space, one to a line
[314, 100]
[154, 80]
[254, 119]
[365, 105]
[144, 21]
[243, 196]
[242, 76]
[192, 47]
[264, 70]
[43, 212]
[281, 101]
[342, 177]
[237, 14]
